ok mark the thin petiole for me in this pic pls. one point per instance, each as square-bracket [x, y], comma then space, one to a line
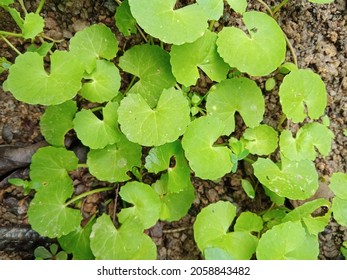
[12, 34]
[39, 8]
[266, 7]
[23, 6]
[277, 8]
[88, 193]
[11, 46]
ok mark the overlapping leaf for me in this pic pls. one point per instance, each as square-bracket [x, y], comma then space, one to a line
[124, 20]
[237, 94]
[203, 54]
[258, 54]
[338, 184]
[303, 94]
[238, 6]
[154, 127]
[212, 8]
[159, 19]
[96, 133]
[32, 26]
[152, 65]
[29, 82]
[57, 121]
[261, 140]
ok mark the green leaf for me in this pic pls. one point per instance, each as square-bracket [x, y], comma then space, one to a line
[261, 140]
[309, 249]
[270, 84]
[282, 241]
[125, 21]
[237, 94]
[32, 26]
[159, 19]
[50, 165]
[207, 161]
[96, 133]
[321, 1]
[302, 93]
[152, 65]
[295, 180]
[211, 253]
[212, 8]
[6, 2]
[48, 214]
[248, 222]
[185, 60]
[93, 43]
[125, 243]
[248, 188]
[310, 138]
[259, 53]
[238, 6]
[146, 204]
[213, 223]
[287, 67]
[338, 184]
[78, 242]
[4, 64]
[339, 208]
[154, 127]
[102, 84]
[57, 121]
[315, 225]
[29, 82]
[42, 50]
[114, 161]
[41, 253]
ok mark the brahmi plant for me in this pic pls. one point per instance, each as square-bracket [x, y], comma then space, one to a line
[160, 126]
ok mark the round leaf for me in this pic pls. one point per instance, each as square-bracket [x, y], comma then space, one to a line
[338, 184]
[237, 94]
[94, 42]
[96, 133]
[48, 214]
[146, 204]
[208, 161]
[53, 130]
[126, 243]
[32, 26]
[261, 140]
[303, 94]
[154, 127]
[258, 54]
[159, 19]
[203, 54]
[152, 65]
[29, 82]
[102, 84]
[212, 8]
[248, 222]
[114, 162]
[295, 180]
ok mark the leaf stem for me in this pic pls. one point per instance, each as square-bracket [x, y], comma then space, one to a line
[276, 9]
[39, 8]
[247, 159]
[281, 121]
[290, 46]
[142, 34]
[6, 33]
[266, 7]
[88, 193]
[130, 84]
[51, 39]
[9, 43]
[99, 108]
[211, 25]
[23, 7]
[82, 165]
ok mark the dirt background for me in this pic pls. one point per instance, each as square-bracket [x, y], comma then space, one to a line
[318, 34]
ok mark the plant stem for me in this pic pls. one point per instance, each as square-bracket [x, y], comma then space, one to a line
[99, 108]
[276, 9]
[211, 25]
[142, 34]
[281, 121]
[39, 8]
[251, 161]
[266, 7]
[82, 165]
[6, 33]
[130, 84]
[11, 46]
[88, 193]
[290, 46]
[51, 39]
[23, 7]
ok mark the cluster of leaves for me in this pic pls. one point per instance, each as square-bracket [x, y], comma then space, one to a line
[180, 129]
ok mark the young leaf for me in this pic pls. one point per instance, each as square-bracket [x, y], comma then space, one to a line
[50, 165]
[237, 94]
[295, 180]
[78, 242]
[152, 65]
[48, 214]
[114, 161]
[258, 54]
[282, 241]
[238, 6]
[248, 188]
[185, 60]
[309, 138]
[96, 133]
[248, 222]
[303, 94]
[261, 140]
[126, 243]
[213, 223]
[42, 50]
[212, 8]
[146, 204]
[57, 121]
[102, 84]
[159, 19]
[92, 43]
[207, 161]
[338, 184]
[32, 26]
[29, 82]
[125, 21]
[154, 127]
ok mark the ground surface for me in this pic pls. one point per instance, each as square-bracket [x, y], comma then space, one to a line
[319, 37]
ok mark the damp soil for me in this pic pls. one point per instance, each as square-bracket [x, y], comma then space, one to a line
[318, 34]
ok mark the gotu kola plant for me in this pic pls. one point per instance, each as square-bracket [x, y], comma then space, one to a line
[178, 130]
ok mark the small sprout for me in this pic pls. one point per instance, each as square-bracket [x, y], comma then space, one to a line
[41, 253]
[270, 84]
